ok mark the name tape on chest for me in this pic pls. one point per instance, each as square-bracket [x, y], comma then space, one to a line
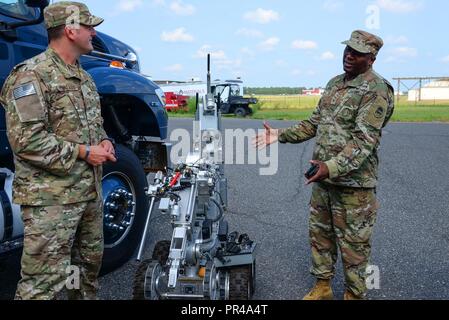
[25, 90]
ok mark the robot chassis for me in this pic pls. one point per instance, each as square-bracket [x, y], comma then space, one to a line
[202, 261]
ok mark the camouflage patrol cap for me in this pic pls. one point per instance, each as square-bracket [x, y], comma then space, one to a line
[69, 13]
[364, 42]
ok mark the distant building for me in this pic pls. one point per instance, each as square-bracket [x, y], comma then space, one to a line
[313, 92]
[191, 88]
[437, 90]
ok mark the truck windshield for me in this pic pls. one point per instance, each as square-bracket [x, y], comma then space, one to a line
[226, 91]
[223, 91]
[235, 91]
[17, 9]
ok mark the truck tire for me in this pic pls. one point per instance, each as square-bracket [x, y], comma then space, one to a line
[125, 207]
[240, 112]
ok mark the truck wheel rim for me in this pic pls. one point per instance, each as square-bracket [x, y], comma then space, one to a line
[119, 207]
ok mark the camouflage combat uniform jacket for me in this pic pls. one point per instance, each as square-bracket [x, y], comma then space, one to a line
[348, 126]
[52, 108]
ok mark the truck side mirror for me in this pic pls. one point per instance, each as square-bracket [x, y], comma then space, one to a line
[37, 3]
[7, 29]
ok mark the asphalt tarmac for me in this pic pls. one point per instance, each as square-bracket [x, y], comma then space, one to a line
[411, 236]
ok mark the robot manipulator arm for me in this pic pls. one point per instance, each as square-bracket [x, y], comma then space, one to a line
[177, 254]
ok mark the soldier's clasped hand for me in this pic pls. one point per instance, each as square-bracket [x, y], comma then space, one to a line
[98, 155]
[108, 146]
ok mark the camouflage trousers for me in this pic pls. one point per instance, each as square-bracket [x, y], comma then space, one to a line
[342, 218]
[61, 241]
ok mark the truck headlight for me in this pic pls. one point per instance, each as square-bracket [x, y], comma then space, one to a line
[161, 96]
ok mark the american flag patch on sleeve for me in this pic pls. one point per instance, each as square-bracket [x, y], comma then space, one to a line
[24, 90]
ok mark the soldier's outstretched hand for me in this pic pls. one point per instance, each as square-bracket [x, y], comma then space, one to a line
[270, 136]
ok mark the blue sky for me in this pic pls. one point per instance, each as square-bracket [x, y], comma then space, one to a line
[277, 43]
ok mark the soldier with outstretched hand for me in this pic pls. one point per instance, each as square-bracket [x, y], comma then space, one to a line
[55, 130]
[347, 125]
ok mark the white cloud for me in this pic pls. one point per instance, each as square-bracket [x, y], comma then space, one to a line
[221, 61]
[228, 63]
[262, 16]
[405, 52]
[399, 6]
[396, 40]
[177, 35]
[327, 56]
[128, 5]
[269, 43]
[332, 5]
[251, 33]
[182, 9]
[296, 72]
[247, 51]
[304, 44]
[401, 54]
[174, 68]
[215, 54]
[445, 59]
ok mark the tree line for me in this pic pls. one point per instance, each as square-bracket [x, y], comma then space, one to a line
[274, 90]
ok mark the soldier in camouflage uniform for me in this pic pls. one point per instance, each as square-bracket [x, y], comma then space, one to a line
[55, 129]
[348, 126]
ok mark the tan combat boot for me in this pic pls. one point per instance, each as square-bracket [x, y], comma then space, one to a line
[350, 296]
[321, 291]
